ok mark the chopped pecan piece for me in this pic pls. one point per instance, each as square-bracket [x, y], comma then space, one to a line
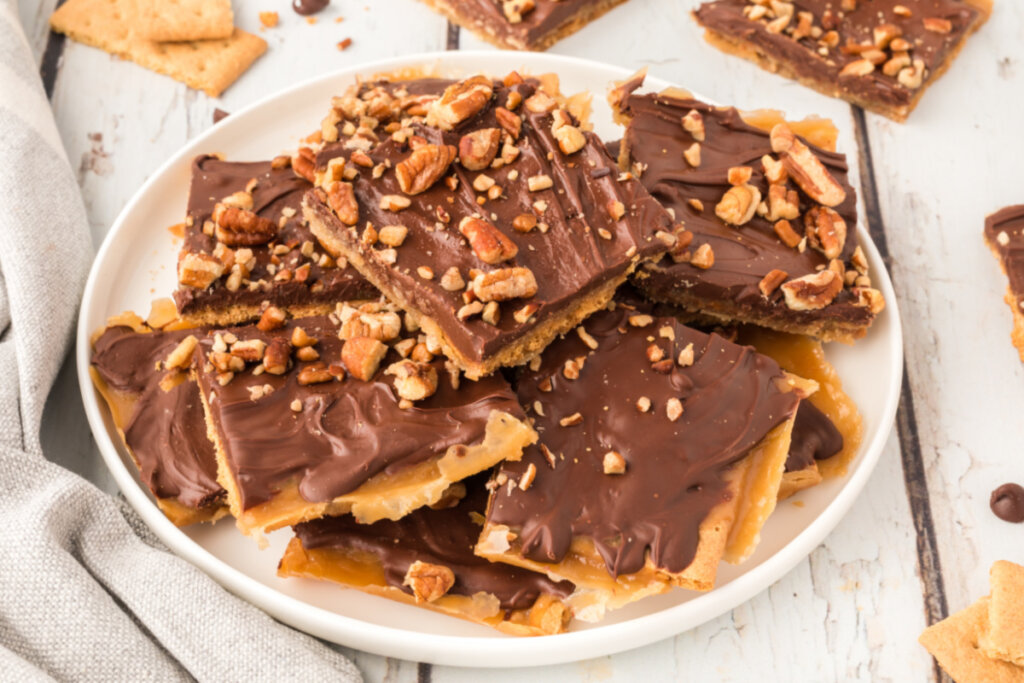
[271, 319]
[783, 203]
[505, 284]
[413, 381]
[524, 222]
[276, 355]
[317, 373]
[870, 298]
[784, 229]
[199, 270]
[361, 356]
[393, 235]
[770, 282]
[425, 166]
[428, 581]
[826, 231]
[478, 149]
[489, 244]
[738, 204]
[515, 9]
[237, 227]
[249, 350]
[181, 356]
[342, 198]
[693, 123]
[812, 292]
[509, 122]
[452, 280]
[459, 102]
[614, 463]
[375, 324]
[805, 168]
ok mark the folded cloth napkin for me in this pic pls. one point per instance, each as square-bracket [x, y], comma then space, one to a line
[86, 592]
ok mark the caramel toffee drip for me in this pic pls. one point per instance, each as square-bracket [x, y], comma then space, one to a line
[931, 45]
[569, 260]
[546, 16]
[674, 470]
[445, 537]
[743, 254]
[1004, 231]
[276, 195]
[815, 437]
[344, 432]
[166, 431]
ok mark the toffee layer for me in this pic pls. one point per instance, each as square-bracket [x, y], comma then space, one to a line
[743, 255]
[878, 53]
[570, 239]
[289, 269]
[165, 430]
[673, 430]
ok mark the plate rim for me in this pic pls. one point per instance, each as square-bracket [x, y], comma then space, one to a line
[487, 652]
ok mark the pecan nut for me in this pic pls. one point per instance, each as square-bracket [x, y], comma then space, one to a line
[199, 270]
[276, 356]
[478, 149]
[413, 381]
[505, 284]
[424, 167]
[812, 292]
[361, 356]
[805, 168]
[381, 325]
[738, 204]
[489, 244]
[342, 198]
[826, 231]
[237, 227]
[428, 581]
[509, 122]
[459, 102]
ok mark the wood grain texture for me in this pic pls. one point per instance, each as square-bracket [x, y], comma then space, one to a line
[854, 608]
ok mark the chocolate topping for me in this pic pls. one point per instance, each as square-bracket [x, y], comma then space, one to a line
[674, 470]
[854, 27]
[277, 192]
[1004, 231]
[566, 252]
[219, 115]
[1007, 503]
[445, 537]
[814, 437]
[546, 18]
[346, 432]
[166, 432]
[308, 7]
[743, 255]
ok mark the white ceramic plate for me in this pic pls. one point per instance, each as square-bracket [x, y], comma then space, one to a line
[137, 263]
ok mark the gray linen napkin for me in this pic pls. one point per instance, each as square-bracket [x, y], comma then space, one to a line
[86, 592]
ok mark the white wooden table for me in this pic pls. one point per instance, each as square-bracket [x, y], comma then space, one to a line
[919, 541]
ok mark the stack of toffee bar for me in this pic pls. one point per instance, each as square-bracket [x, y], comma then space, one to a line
[482, 366]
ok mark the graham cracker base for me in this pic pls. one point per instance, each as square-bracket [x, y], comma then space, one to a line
[954, 644]
[450, 9]
[1004, 637]
[240, 314]
[363, 571]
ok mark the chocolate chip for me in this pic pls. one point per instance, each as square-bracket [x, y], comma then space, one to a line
[307, 7]
[219, 115]
[600, 172]
[1007, 503]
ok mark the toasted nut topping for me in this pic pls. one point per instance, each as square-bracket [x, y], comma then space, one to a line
[181, 356]
[505, 284]
[296, 406]
[492, 313]
[937, 25]
[812, 292]
[685, 358]
[459, 102]
[314, 374]
[523, 315]
[787, 234]
[524, 222]
[614, 463]
[870, 298]
[654, 353]
[199, 270]
[643, 404]
[666, 332]
[469, 310]
[514, 11]
[420, 170]
[428, 581]
[704, 257]
[674, 409]
[540, 103]
[361, 356]
[392, 235]
[275, 357]
[307, 353]
[529, 475]
[693, 123]
[640, 320]
[858, 67]
[692, 154]
[483, 183]
[740, 175]
[413, 381]
[425, 272]
[509, 122]
[586, 337]
[571, 369]
[805, 168]
[774, 171]
[301, 339]
[663, 367]
[738, 204]
[478, 149]
[570, 139]
[539, 182]
[452, 280]
[770, 282]
[826, 231]
[860, 261]
[342, 198]
[241, 227]
[571, 420]
[489, 244]
[271, 319]
[394, 202]
[250, 350]
[225, 362]
[375, 324]
[899, 61]
[616, 209]
[912, 76]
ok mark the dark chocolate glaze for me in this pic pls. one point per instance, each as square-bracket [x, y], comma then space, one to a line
[309, 7]
[277, 189]
[569, 261]
[445, 537]
[675, 470]
[1009, 221]
[347, 431]
[726, 17]
[745, 254]
[1007, 503]
[547, 17]
[815, 437]
[166, 432]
